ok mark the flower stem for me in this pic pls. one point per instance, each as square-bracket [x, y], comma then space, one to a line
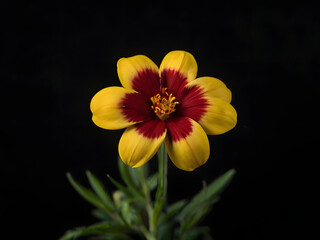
[162, 188]
[146, 193]
[163, 168]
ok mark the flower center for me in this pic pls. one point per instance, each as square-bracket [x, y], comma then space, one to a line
[164, 104]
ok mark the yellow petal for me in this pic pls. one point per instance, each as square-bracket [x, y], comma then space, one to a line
[219, 118]
[182, 62]
[187, 144]
[139, 143]
[107, 111]
[140, 74]
[212, 87]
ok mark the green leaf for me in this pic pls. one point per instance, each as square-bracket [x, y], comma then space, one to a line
[112, 236]
[203, 201]
[127, 178]
[69, 235]
[196, 233]
[106, 230]
[102, 215]
[176, 207]
[125, 174]
[208, 192]
[86, 193]
[166, 231]
[218, 185]
[152, 181]
[135, 174]
[196, 215]
[100, 191]
[157, 210]
[172, 211]
[119, 186]
[130, 211]
[103, 228]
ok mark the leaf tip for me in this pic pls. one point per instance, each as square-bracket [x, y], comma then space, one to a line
[69, 176]
[232, 172]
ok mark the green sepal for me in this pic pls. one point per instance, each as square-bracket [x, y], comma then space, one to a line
[98, 187]
[88, 195]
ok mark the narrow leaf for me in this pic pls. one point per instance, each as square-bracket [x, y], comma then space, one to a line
[86, 193]
[152, 181]
[126, 177]
[203, 201]
[135, 175]
[196, 233]
[213, 189]
[166, 230]
[104, 229]
[69, 235]
[172, 211]
[157, 210]
[195, 216]
[102, 215]
[119, 186]
[100, 191]
[218, 185]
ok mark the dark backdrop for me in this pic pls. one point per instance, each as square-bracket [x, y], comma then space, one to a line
[55, 56]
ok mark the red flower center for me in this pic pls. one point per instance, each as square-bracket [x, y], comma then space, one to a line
[164, 104]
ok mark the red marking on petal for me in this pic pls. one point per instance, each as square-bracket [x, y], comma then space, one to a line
[147, 82]
[194, 104]
[136, 107]
[174, 81]
[178, 128]
[151, 129]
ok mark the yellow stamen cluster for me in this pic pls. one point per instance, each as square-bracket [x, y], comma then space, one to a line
[164, 104]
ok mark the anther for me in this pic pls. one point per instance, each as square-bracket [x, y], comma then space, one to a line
[164, 104]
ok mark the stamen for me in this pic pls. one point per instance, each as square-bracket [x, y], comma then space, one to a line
[164, 104]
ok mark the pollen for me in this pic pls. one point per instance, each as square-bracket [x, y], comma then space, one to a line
[163, 104]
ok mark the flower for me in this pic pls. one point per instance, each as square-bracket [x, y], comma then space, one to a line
[164, 104]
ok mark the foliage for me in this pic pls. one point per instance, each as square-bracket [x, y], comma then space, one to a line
[131, 213]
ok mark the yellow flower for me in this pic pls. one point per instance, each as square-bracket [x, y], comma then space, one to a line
[164, 104]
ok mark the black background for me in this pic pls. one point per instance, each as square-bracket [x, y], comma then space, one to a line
[56, 55]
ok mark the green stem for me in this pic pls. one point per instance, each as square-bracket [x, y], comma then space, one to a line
[163, 168]
[146, 233]
[146, 193]
[162, 188]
